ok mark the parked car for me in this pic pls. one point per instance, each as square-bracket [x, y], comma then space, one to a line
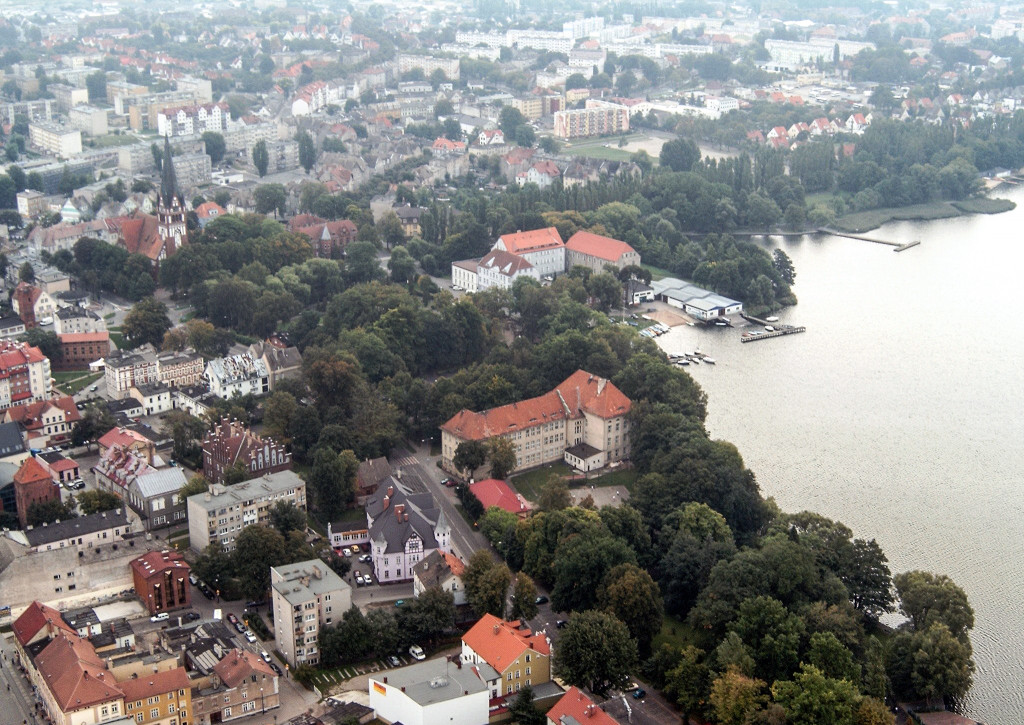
[249, 636]
[354, 549]
[253, 604]
[265, 655]
[541, 600]
[346, 552]
[359, 580]
[417, 652]
[78, 484]
[366, 547]
[239, 627]
[365, 559]
[193, 579]
[192, 616]
[394, 661]
[275, 668]
[639, 693]
[400, 602]
[448, 482]
[162, 617]
[562, 623]
[232, 618]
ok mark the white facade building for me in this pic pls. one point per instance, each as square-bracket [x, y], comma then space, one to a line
[404, 528]
[237, 375]
[433, 691]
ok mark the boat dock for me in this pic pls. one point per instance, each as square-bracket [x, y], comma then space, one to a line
[777, 331]
[897, 246]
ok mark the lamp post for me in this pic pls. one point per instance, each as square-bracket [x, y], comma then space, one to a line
[263, 706]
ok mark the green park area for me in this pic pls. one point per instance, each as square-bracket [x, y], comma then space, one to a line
[71, 382]
[530, 483]
[864, 221]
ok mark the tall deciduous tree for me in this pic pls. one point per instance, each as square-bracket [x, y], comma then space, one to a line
[486, 584]
[632, 595]
[502, 454]
[934, 598]
[810, 698]
[595, 651]
[469, 456]
[554, 494]
[215, 146]
[261, 158]
[146, 321]
[679, 154]
[307, 150]
[257, 548]
[735, 697]
[524, 598]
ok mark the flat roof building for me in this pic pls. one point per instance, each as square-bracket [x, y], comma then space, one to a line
[307, 596]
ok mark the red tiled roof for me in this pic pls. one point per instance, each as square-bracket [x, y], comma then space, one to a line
[548, 168]
[580, 392]
[209, 209]
[492, 492]
[30, 415]
[31, 470]
[156, 683]
[34, 618]
[74, 673]
[500, 643]
[597, 246]
[454, 563]
[532, 241]
[157, 562]
[139, 234]
[238, 665]
[580, 708]
[70, 337]
[121, 437]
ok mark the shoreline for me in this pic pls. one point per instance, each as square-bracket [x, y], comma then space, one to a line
[865, 221]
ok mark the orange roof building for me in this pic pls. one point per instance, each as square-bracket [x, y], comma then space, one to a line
[38, 622]
[543, 248]
[585, 249]
[45, 422]
[585, 416]
[492, 492]
[574, 706]
[75, 678]
[168, 692]
[521, 657]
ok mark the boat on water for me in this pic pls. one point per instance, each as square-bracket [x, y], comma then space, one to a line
[721, 324]
[708, 360]
[682, 361]
[771, 319]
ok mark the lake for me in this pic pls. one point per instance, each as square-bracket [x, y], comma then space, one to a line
[899, 412]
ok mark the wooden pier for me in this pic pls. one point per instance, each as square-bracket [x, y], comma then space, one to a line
[897, 246]
[779, 330]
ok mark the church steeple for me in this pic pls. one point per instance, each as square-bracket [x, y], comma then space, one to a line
[170, 209]
[168, 180]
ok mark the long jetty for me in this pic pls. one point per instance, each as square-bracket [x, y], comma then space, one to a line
[897, 246]
[779, 330]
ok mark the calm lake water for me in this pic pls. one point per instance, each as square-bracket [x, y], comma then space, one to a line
[899, 412]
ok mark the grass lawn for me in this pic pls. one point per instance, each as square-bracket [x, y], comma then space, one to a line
[71, 382]
[600, 152]
[116, 337]
[675, 633]
[658, 272]
[111, 140]
[530, 483]
[623, 477]
[109, 316]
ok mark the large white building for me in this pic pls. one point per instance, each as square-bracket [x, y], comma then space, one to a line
[543, 248]
[428, 64]
[307, 596]
[189, 120]
[56, 140]
[793, 55]
[501, 269]
[237, 375]
[433, 691]
[221, 513]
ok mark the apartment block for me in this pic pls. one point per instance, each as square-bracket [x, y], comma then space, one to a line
[307, 595]
[222, 512]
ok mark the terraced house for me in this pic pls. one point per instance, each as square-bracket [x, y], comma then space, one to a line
[582, 421]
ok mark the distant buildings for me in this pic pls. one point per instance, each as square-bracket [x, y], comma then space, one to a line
[307, 596]
[428, 64]
[189, 120]
[59, 141]
[597, 118]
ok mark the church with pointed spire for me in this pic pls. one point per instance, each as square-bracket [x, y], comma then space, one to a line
[161, 236]
[170, 209]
